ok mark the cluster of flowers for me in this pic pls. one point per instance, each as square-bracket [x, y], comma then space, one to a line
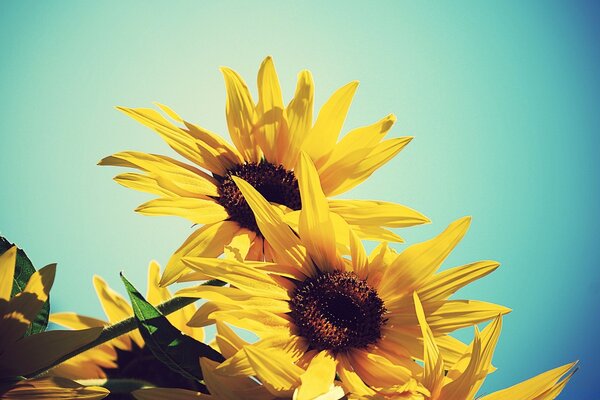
[275, 256]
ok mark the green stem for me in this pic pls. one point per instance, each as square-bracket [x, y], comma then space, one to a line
[120, 328]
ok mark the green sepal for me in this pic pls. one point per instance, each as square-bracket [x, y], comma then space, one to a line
[179, 352]
[23, 270]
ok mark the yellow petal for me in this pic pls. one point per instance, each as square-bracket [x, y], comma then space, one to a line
[433, 374]
[318, 378]
[418, 262]
[278, 374]
[170, 175]
[178, 139]
[360, 261]
[270, 111]
[377, 213]
[22, 309]
[449, 315]
[316, 228]
[75, 321]
[115, 307]
[376, 233]
[207, 241]
[240, 112]
[299, 115]
[356, 145]
[350, 378]
[229, 342]
[53, 388]
[442, 285]
[324, 134]
[243, 277]
[288, 248]
[240, 245]
[37, 351]
[229, 387]
[536, 388]
[376, 370]
[8, 260]
[215, 142]
[466, 385]
[342, 180]
[199, 211]
[145, 183]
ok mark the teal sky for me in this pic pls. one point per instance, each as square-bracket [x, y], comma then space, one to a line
[501, 97]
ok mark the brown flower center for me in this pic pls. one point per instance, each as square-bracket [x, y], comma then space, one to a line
[275, 183]
[337, 311]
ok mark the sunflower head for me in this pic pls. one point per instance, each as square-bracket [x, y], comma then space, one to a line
[337, 311]
[274, 182]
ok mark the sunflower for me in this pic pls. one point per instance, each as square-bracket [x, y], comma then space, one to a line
[125, 357]
[267, 140]
[462, 380]
[313, 304]
[23, 355]
[268, 383]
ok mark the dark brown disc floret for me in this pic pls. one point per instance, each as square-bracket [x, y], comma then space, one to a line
[274, 182]
[337, 311]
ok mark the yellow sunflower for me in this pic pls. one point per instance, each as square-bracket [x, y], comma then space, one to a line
[462, 380]
[268, 383]
[125, 357]
[268, 138]
[21, 356]
[312, 304]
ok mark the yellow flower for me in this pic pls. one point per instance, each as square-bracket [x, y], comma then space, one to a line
[19, 355]
[321, 310]
[462, 380]
[125, 357]
[268, 138]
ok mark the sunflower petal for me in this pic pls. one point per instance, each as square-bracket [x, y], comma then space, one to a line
[53, 388]
[36, 351]
[270, 111]
[418, 262]
[433, 374]
[240, 112]
[545, 386]
[279, 375]
[178, 139]
[342, 180]
[316, 228]
[322, 137]
[199, 211]
[377, 213]
[442, 285]
[288, 248]
[299, 115]
[318, 378]
[8, 260]
[207, 241]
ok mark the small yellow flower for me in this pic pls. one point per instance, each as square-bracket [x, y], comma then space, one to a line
[268, 138]
[125, 356]
[325, 312]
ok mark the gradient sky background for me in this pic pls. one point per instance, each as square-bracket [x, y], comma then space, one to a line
[501, 97]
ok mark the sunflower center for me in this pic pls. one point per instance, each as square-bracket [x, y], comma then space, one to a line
[337, 311]
[275, 183]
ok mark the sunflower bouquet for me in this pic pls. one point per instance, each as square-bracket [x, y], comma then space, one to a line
[298, 307]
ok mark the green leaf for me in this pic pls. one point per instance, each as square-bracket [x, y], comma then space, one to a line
[176, 350]
[23, 271]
